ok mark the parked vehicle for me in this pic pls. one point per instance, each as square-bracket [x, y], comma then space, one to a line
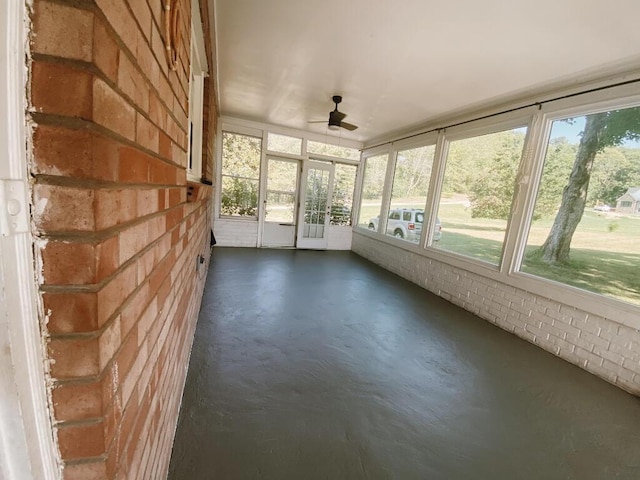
[602, 208]
[406, 223]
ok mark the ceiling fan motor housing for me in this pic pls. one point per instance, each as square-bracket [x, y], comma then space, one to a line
[334, 120]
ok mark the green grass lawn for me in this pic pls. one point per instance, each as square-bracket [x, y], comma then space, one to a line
[605, 251]
[367, 212]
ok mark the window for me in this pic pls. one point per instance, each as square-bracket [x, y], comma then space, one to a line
[375, 171]
[409, 193]
[333, 150]
[625, 204]
[196, 98]
[240, 175]
[477, 193]
[575, 237]
[344, 183]
[284, 144]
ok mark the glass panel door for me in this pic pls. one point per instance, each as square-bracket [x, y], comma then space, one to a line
[317, 180]
[279, 227]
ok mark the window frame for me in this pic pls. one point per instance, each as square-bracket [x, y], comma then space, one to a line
[587, 104]
[198, 71]
[603, 98]
[419, 141]
[366, 155]
[498, 125]
[261, 130]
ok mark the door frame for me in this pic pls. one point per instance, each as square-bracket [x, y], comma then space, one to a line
[316, 244]
[27, 445]
[263, 210]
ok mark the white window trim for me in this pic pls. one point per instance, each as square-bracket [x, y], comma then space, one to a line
[27, 448]
[520, 119]
[602, 305]
[425, 140]
[199, 69]
[366, 155]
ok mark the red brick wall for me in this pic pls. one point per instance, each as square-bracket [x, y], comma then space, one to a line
[118, 235]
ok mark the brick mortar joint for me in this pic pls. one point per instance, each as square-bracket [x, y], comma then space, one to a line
[101, 375]
[155, 367]
[93, 184]
[108, 233]
[91, 69]
[66, 424]
[125, 48]
[84, 461]
[174, 291]
[78, 124]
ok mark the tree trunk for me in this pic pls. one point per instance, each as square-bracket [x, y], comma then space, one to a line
[556, 247]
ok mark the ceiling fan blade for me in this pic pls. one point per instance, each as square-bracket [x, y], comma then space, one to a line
[317, 121]
[337, 116]
[348, 126]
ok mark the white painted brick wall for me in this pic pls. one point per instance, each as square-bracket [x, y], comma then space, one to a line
[236, 233]
[599, 345]
[243, 233]
[339, 237]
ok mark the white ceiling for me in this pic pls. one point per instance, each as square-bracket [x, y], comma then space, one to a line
[400, 63]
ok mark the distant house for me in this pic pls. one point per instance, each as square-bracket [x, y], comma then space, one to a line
[629, 202]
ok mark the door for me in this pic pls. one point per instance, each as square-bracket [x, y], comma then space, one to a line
[279, 227]
[313, 218]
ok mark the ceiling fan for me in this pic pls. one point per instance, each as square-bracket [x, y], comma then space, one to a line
[336, 118]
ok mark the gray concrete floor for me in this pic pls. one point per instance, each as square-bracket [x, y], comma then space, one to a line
[320, 365]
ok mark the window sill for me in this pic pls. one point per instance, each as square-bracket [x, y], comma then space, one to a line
[197, 191]
[238, 219]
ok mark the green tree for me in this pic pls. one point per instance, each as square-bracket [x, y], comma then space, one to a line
[413, 171]
[240, 174]
[557, 167]
[465, 159]
[492, 189]
[374, 175]
[601, 130]
[614, 171]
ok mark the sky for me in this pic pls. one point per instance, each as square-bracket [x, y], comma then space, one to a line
[561, 128]
[572, 132]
